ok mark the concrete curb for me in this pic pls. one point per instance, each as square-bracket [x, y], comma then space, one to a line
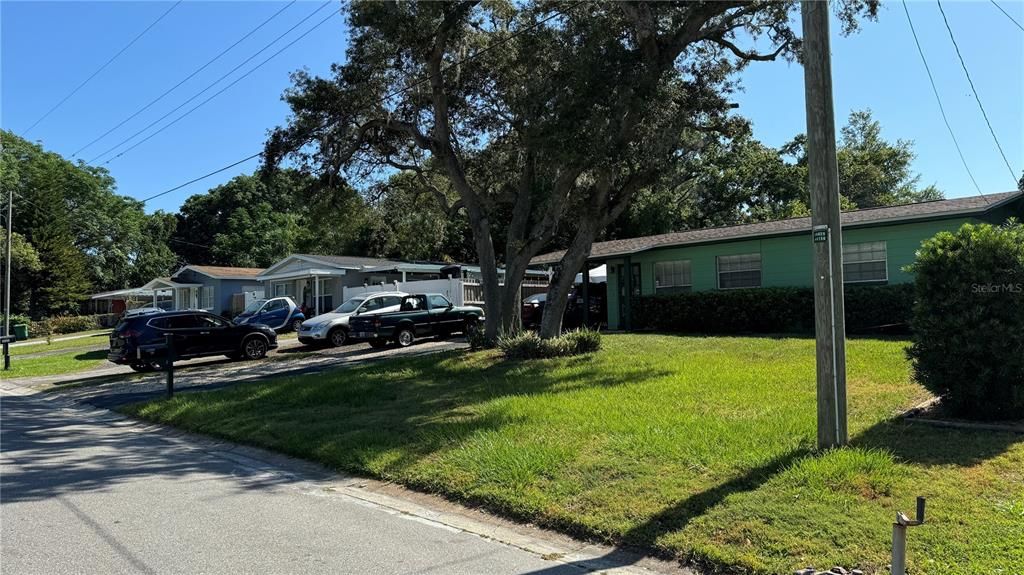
[312, 478]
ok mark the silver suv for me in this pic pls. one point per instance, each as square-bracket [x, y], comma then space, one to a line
[332, 327]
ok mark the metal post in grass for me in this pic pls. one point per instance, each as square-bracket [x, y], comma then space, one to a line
[169, 342]
[899, 537]
[827, 237]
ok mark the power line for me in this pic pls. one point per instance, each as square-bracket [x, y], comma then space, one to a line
[186, 79]
[100, 69]
[935, 90]
[203, 177]
[974, 90]
[214, 83]
[392, 94]
[219, 92]
[1012, 19]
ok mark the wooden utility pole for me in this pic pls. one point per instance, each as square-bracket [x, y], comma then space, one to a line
[829, 323]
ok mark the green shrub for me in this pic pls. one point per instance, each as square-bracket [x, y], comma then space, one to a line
[968, 322]
[582, 341]
[64, 324]
[478, 339]
[773, 310]
[17, 319]
[529, 345]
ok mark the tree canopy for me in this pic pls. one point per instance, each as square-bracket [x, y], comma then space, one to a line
[86, 236]
[545, 118]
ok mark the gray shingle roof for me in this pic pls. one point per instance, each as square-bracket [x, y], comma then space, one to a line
[938, 208]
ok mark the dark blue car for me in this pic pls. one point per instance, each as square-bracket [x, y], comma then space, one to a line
[280, 313]
[140, 341]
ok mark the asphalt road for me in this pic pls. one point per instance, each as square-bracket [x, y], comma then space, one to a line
[85, 491]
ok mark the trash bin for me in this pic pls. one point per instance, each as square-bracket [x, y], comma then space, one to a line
[21, 331]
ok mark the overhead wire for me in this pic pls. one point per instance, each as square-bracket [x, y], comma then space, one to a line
[100, 69]
[938, 99]
[211, 85]
[1013, 176]
[1007, 14]
[390, 95]
[185, 79]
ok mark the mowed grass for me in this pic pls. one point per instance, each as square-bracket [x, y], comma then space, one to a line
[93, 341]
[699, 448]
[56, 364]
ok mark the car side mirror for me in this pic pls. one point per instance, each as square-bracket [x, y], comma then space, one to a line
[450, 305]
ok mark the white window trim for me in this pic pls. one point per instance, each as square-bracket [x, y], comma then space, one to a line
[884, 260]
[718, 271]
[202, 298]
[287, 291]
[657, 287]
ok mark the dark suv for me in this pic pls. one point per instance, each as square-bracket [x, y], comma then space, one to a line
[139, 342]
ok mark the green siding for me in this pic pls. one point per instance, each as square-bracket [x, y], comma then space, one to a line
[785, 260]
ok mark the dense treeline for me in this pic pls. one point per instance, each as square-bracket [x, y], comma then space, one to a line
[75, 235]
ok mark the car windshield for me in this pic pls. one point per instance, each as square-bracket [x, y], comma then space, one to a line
[350, 306]
[254, 306]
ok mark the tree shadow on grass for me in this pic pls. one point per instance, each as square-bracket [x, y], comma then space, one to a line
[911, 443]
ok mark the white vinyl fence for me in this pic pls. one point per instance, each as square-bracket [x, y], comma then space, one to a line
[458, 291]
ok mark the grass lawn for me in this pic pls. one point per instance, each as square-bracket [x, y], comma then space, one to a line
[701, 448]
[99, 339]
[56, 364]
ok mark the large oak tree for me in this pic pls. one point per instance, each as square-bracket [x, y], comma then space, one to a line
[542, 116]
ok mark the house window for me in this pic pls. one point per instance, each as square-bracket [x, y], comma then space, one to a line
[325, 296]
[207, 295]
[739, 271]
[672, 277]
[282, 289]
[865, 262]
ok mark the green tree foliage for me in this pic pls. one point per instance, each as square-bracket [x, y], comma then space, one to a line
[872, 171]
[743, 180]
[406, 222]
[968, 322]
[254, 221]
[88, 237]
[574, 109]
[25, 264]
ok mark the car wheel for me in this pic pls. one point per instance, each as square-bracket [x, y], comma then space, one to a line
[337, 337]
[254, 347]
[378, 343]
[405, 337]
[469, 327]
[296, 324]
[142, 367]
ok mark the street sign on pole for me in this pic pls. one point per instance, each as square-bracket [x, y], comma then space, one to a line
[823, 171]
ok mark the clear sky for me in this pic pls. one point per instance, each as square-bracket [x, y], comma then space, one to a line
[49, 48]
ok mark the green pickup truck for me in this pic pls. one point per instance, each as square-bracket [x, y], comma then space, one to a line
[420, 315]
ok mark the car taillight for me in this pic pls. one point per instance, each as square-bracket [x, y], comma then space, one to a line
[130, 333]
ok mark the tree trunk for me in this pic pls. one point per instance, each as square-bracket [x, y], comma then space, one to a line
[565, 273]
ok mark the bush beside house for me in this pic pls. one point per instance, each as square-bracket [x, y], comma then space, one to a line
[968, 322]
[773, 310]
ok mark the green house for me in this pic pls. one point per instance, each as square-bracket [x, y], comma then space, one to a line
[877, 244]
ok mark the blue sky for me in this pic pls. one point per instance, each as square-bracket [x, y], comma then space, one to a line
[48, 48]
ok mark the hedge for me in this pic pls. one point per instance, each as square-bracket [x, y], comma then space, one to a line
[968, 344]
[772, 310]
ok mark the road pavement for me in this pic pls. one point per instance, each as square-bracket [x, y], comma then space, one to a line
[83, 490]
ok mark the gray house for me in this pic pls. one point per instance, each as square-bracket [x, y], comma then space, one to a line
[221, 290]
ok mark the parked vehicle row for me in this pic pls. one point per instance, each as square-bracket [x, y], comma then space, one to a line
[140, 340]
